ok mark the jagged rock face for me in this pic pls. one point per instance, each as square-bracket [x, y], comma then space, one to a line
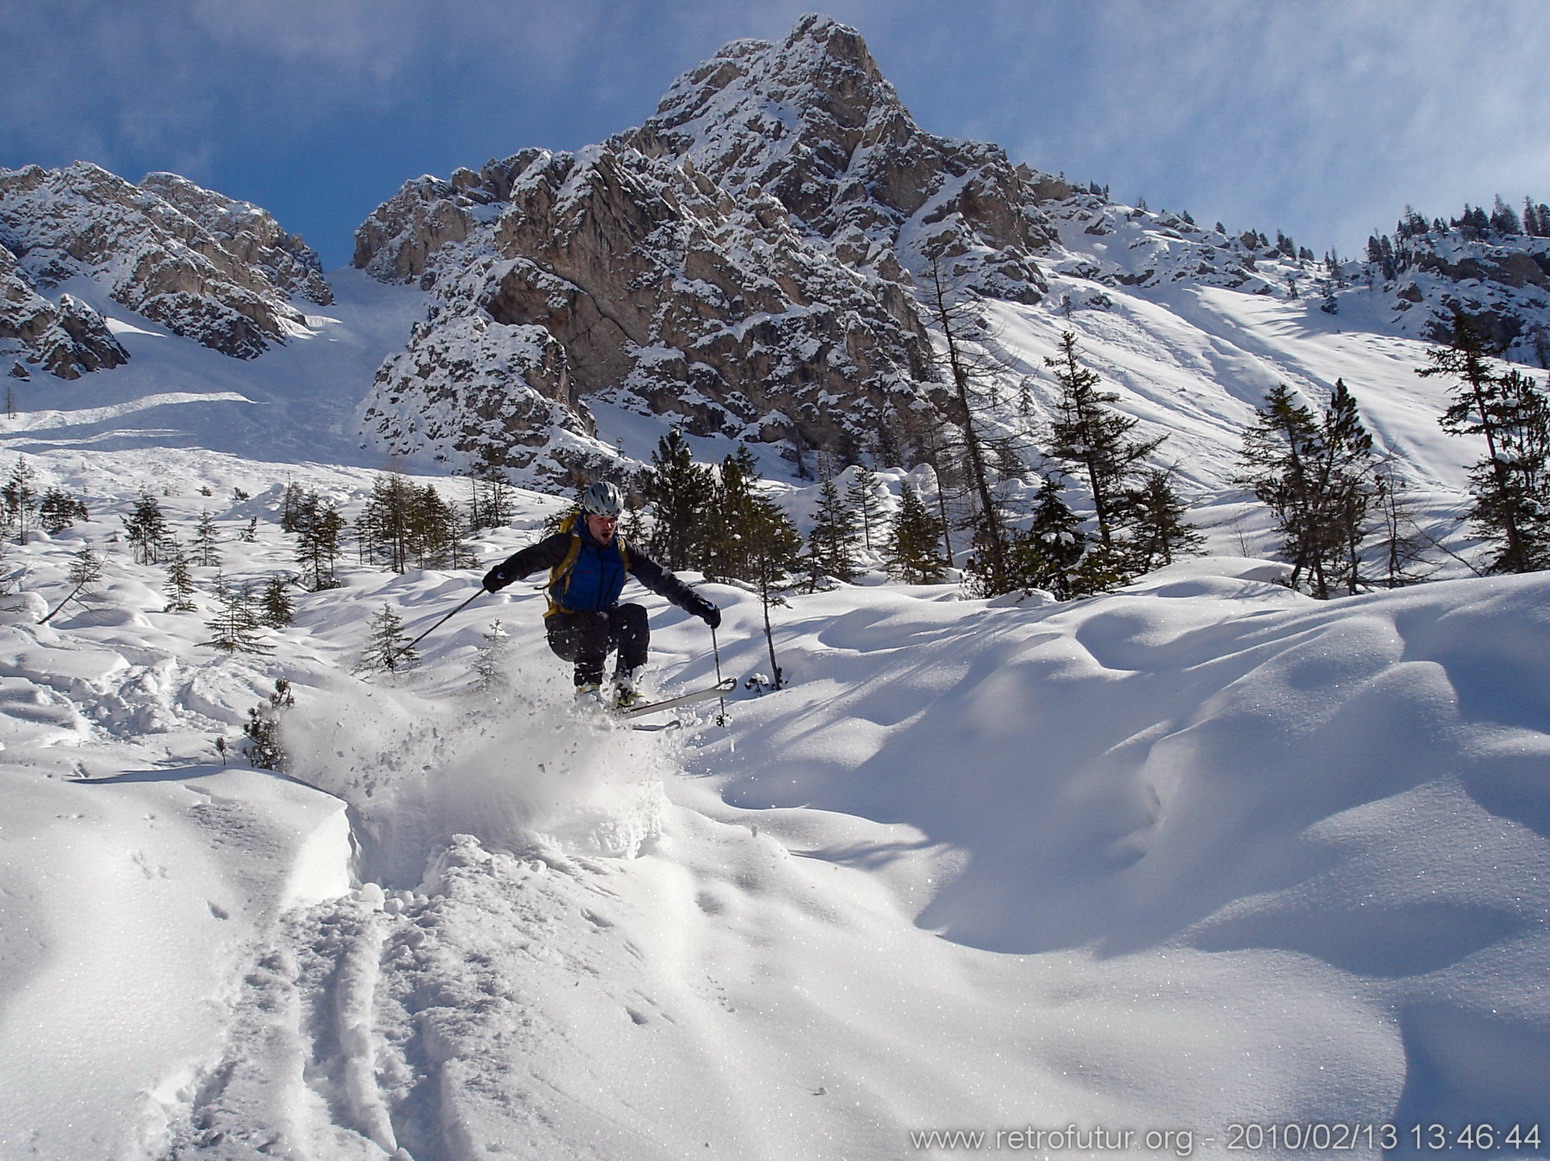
[661, 289]
[508, 381]
[813, 122]
[249, 234]
[67, 338]
[207, 268]
[742, 262]
[395, 244]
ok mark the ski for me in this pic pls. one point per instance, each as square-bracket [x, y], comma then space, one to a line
[720, 689]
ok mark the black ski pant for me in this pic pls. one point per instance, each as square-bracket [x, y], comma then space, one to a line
[588, 638]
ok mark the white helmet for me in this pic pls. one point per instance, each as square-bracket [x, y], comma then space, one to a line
[602, 499]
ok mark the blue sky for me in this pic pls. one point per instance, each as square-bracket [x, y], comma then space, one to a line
[1322, 118]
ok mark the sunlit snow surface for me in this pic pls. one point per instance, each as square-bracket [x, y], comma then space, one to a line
[1199, 854]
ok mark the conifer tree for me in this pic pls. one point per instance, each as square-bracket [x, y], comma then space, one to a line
[146, 528]
[1158, 530]
[679, 491]
[265, 746]
[864, 502]
[489, 505]
[388, 524]
[913, 553]
[387, 645]
[1349, 485]
[1512, 508]
[1087, 434]
[968, 382]
[235, 628]
[1275, 456]
[58, 510]
[1403, 544]
[489, 664]
[1315, 474]
[292, 507]
[275, 608]
[831, 542]
[20, 495]
[206, 554]
[776, 546]
[179, 586]
[435, 533]
[86, 569]
[320, 530]
[1046, 554]
[728, 551]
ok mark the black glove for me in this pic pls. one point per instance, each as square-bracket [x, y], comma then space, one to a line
[708, 613]
[496, 579]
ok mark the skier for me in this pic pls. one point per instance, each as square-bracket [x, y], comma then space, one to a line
[588, 562]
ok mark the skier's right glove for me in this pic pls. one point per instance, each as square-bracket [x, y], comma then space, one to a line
[707, 612]
[496, 579]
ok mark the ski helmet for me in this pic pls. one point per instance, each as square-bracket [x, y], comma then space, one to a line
[602, 499]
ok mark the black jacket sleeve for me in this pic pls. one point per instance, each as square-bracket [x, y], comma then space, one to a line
[662, 582]
[547, 553]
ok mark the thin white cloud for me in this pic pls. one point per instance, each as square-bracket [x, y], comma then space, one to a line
[1289, 115]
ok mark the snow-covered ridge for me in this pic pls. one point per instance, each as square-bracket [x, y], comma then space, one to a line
[812, 121]
[208, 268]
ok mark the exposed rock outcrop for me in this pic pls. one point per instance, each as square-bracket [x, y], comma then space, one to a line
[249, 234]
[656, 287]
[812, 122]
[65, 338]
[741, 263]
[205, 267]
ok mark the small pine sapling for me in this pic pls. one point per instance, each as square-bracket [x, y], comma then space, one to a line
[180, 584]
[85, 571]
[275, 608]
[490, 661]
[236, 626]
[265, 747]
[387, 646]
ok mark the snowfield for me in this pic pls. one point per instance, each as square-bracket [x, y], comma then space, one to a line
[1197, 868]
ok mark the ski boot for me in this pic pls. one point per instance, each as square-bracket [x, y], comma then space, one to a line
[625, 692]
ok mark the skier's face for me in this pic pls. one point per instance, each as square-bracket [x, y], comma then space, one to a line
[601, 527]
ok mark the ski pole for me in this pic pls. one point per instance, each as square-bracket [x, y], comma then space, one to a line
[443, 621]
[715, 651]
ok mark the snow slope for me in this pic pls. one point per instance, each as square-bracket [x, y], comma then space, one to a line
[297, 403]
[1199, 854]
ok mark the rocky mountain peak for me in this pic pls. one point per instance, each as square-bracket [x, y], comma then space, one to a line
[757, 108]
[207, 267]
[747, 262]
[812, 121]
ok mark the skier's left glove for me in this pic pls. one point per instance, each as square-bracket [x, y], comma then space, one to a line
[706, 612]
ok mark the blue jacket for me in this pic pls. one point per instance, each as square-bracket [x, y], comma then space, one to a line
[586, 576]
